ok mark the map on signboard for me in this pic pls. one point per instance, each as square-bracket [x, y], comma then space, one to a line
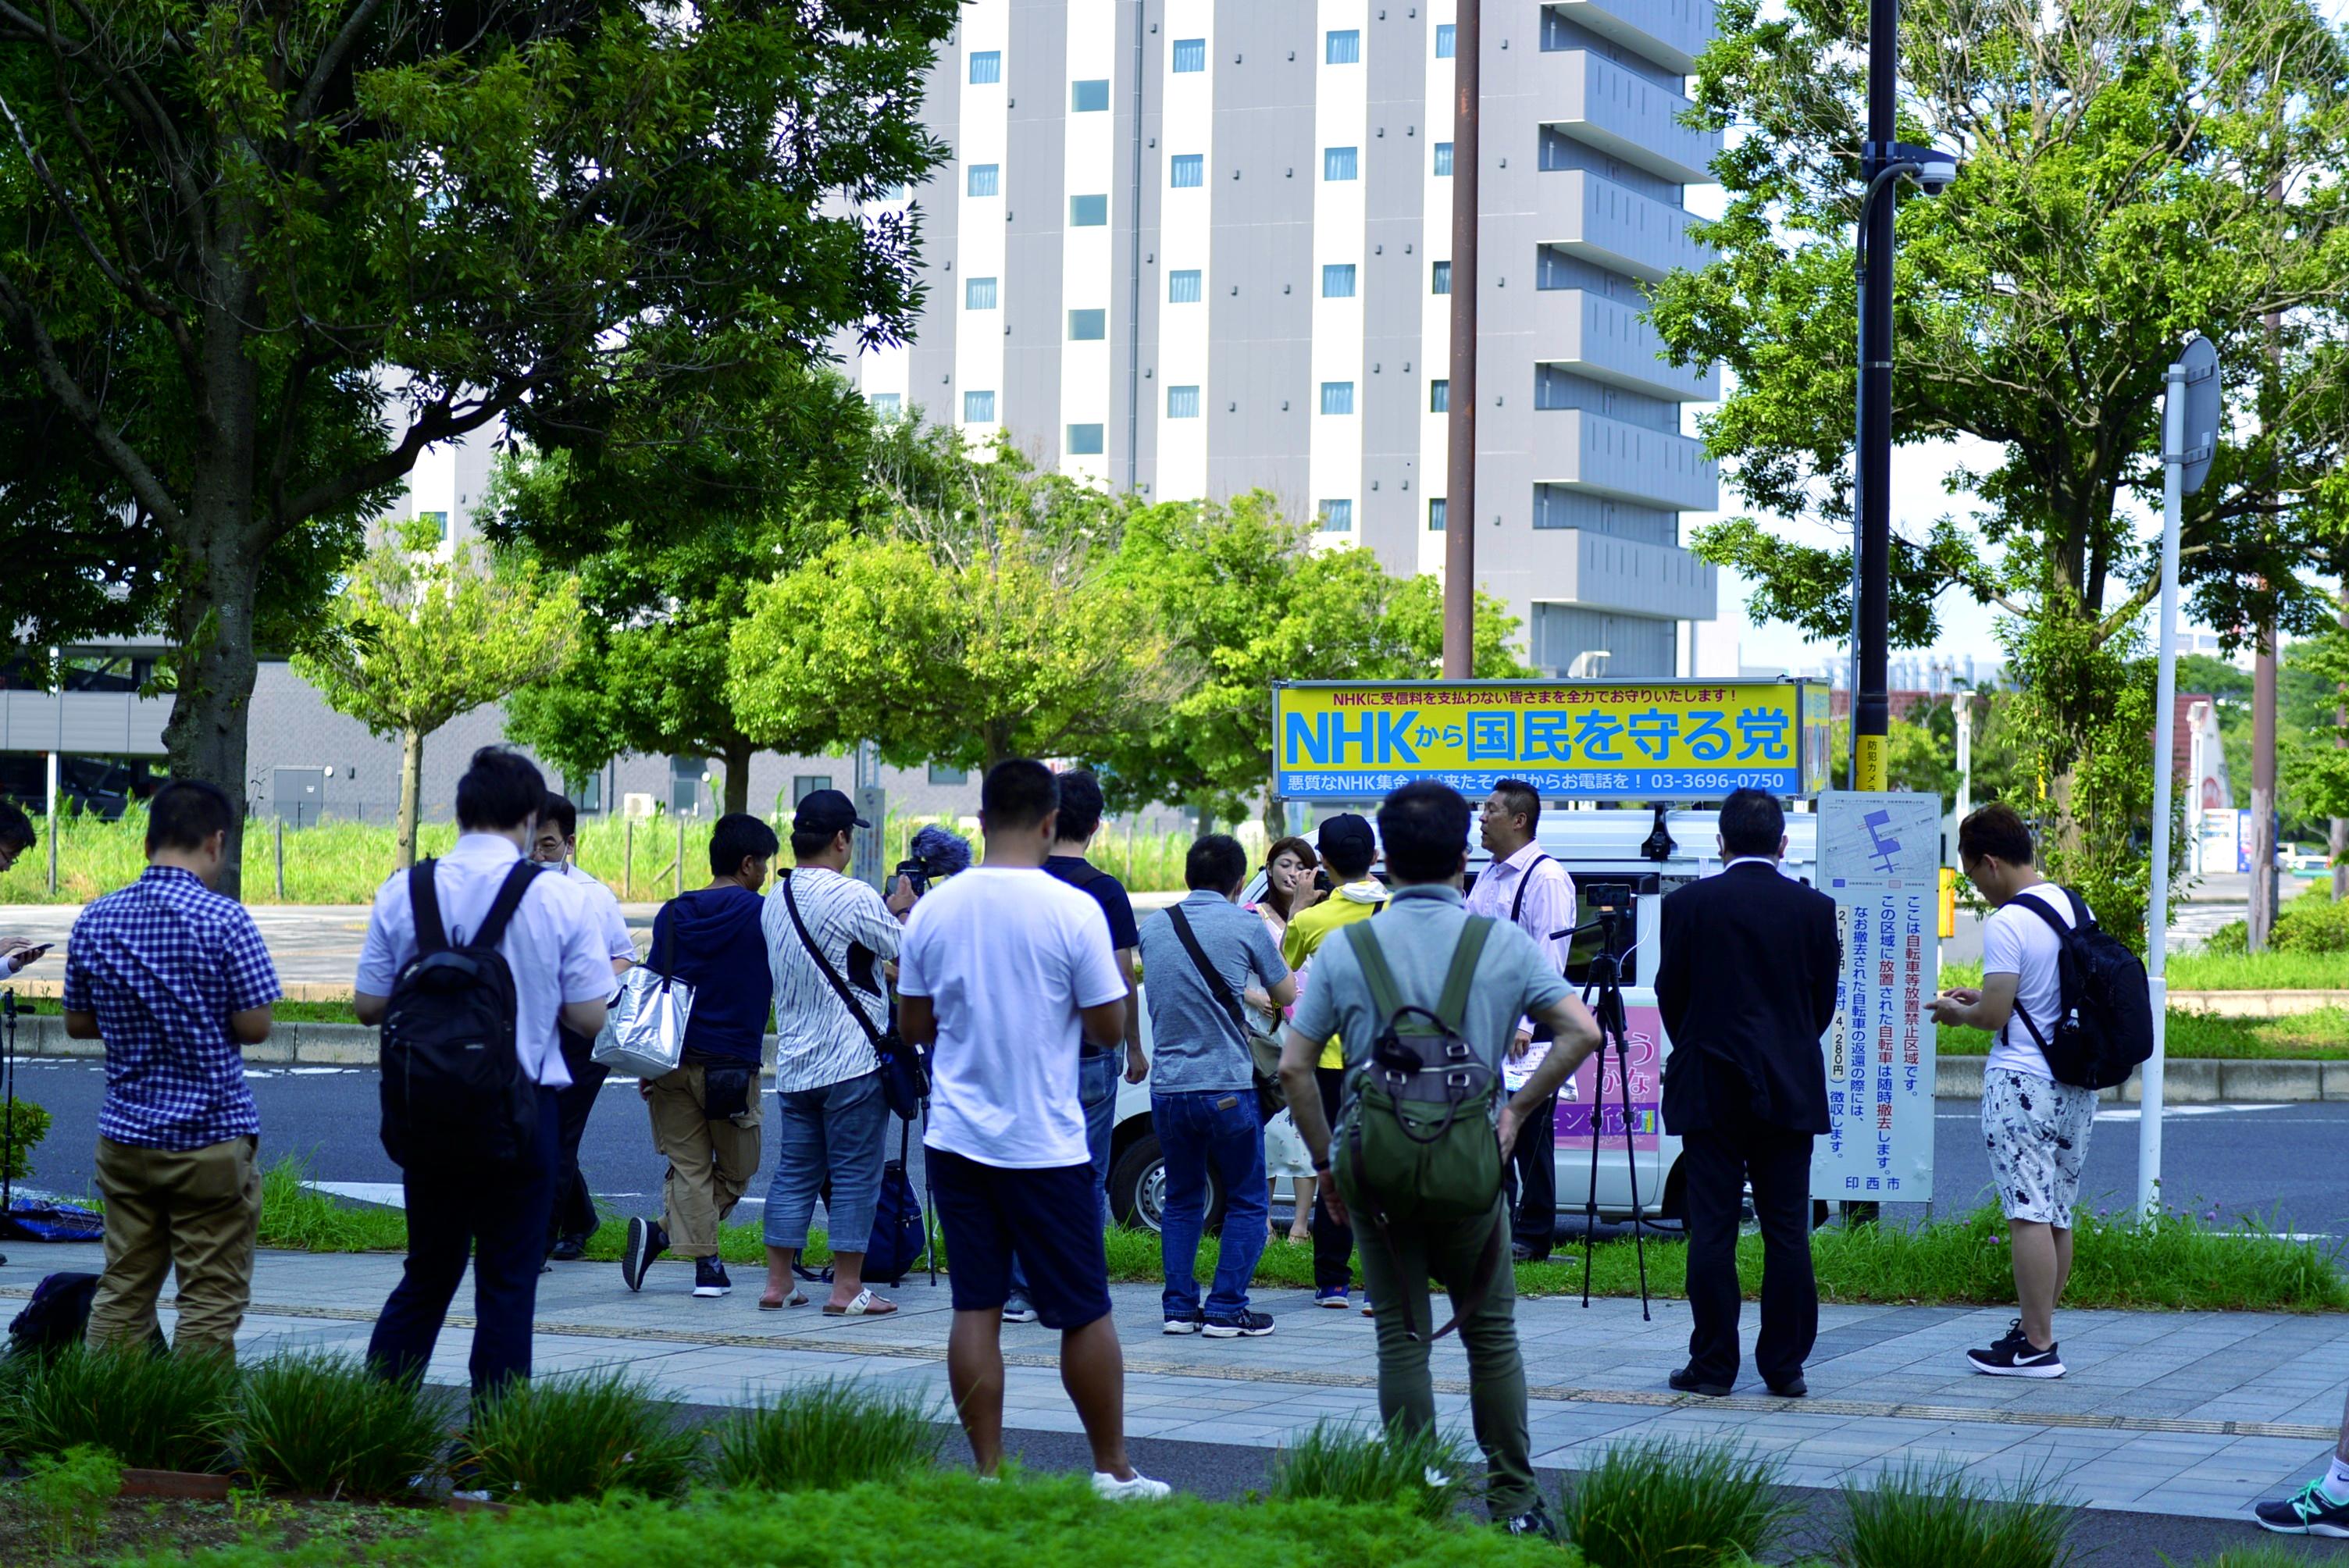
[1877, 840]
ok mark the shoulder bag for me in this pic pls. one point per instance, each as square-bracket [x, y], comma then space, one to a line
[1264, 1049]
[644, 1033]
[904, 1084]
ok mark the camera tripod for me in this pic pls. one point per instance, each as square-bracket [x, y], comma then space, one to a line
[1602, 993]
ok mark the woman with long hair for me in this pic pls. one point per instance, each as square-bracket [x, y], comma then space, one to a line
[1289, 868]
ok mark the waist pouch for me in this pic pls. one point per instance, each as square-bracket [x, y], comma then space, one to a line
[726, 1092]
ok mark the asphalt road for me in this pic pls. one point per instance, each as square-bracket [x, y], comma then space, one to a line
[2281, 1166]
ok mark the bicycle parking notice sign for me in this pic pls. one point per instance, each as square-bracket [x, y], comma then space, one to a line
[1572, 740]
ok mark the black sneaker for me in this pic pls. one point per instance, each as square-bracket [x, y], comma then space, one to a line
[1244, 1325]
[1190, 1325]
[709, 1277]
[646, 1241]
[1535, 1521]
[2308, 1511]
[2014, 1356]
[568, 1249]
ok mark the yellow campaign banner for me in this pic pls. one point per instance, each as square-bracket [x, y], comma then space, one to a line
[1598, 740]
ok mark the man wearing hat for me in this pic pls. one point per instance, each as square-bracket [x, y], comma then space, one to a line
[832, 1122]
[1349, 849]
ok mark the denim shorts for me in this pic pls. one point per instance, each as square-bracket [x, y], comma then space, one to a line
[1050, 1218]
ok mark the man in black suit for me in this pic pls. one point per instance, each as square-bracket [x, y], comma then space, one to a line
[1746, 986]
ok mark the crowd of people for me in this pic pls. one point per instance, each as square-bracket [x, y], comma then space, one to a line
[1368, 959]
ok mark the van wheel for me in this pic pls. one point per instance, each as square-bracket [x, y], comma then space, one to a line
[1137, 1188]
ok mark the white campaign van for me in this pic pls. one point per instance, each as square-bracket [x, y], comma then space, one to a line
[1617, 861]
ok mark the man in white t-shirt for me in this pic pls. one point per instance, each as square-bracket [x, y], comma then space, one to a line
[1006, 971]
[2036, 1127]
[556, 845]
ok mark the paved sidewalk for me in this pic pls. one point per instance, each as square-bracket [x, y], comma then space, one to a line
[2196, 1414]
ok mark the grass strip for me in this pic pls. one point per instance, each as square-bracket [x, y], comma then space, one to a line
[2201, 971]
[2321, 1035]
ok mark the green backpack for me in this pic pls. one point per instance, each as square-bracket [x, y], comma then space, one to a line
[1417, 1146]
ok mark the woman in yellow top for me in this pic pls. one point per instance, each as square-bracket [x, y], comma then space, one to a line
[1288, 890]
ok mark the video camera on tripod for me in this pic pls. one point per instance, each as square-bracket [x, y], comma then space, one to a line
[1602, 993]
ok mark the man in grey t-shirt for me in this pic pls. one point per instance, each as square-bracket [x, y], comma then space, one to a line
[1202, 1085]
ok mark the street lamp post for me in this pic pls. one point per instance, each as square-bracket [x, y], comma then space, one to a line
[1460, 464]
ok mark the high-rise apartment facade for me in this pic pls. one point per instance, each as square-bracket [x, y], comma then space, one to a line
[1195, 247]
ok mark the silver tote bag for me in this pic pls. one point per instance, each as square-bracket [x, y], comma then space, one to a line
[643, 1033]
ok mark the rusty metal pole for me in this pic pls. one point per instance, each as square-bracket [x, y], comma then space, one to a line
[1460, 463]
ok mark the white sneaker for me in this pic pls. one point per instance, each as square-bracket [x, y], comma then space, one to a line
[1140, 1489]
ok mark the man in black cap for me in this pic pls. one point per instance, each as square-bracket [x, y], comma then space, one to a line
[1349, 849]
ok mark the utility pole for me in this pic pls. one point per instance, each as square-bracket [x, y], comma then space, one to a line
[1871, 712]
[2260, 922]
[1459, 462]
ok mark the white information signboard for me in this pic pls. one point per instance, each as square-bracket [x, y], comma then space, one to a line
[1879, 858]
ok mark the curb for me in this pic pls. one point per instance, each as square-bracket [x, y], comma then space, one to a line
[2185, 1081]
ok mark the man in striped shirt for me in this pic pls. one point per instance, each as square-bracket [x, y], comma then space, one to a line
[831, 1119]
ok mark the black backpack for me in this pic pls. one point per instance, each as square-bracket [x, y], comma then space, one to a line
[453, 1087]
[56, 1317]
[2107, 1028]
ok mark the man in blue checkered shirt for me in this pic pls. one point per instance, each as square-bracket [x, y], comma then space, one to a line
[175, 980]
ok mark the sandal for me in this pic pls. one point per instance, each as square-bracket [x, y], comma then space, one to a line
[797, 1298]
[866, 1305]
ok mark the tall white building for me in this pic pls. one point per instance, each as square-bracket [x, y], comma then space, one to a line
[1195, 247]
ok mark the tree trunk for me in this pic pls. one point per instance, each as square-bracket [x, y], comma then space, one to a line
[412, 791]
[1276, 813]
[2263, 790]
[2337, 841]
[1207, 819]
[736, 757]
[205, 737]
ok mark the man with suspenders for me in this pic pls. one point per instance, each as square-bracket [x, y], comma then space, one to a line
[1535, 894]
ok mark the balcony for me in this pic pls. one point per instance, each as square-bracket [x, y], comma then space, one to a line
[1672, 33]
[1602, 573]
[1608, 340]
[1630, 118]
[1617, 229]
[1603, 457]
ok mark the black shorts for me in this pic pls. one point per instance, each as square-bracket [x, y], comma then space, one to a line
[1051, 1218]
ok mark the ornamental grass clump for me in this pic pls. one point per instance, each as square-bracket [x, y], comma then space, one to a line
[554, 1439]
[1348, 1463]
[823, 1437]
[151, 1412]
[325, 1425]
[1668, 1504]
[1932, 1517]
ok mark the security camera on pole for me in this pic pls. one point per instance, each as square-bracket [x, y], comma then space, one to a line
[2190, 436]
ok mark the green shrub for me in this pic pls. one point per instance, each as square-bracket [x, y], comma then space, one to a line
[2232, 940]
[2312, 924]
[826, 1436]
[303, 1220]
[1348, 1462]
[557, 1438]
[23, 1131]
[68, 1494]
[325, 1424]
[153, 1411]
[1930, 1517]
[1659, 1504]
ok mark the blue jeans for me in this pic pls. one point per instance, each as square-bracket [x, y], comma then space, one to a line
[1098, 1073]
[833, 1133]
[1217, 1130]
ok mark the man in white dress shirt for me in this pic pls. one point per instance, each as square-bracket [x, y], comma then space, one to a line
[1532, 892]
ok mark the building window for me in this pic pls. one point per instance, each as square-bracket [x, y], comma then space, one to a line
[951, 777]
[1337, 397]
[1337, 280]
[1439, 397]
[806, 784]
[1088, 326]
[978, 408]
[1442, 278]
[586, 794]
[1337, 164]
[986, 67]
[438, 521]
[1188, 170]
[1436, 515]
[984, 179]
[886, 405]
[1338, 515]
[1183, 286]
[1088, 211]
[1443, 160]
[1190, 54]
[979, 294]
[1084, 440]
[1343, 48]
[1089, 97]
[1447, 40]
[1182, 402]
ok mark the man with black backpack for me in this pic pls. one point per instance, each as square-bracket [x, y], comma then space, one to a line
[2069, 1007]
[1427, 999]
[472, 964]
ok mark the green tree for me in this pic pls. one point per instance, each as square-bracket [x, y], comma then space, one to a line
[417, 639]
[979, 621]
[1248, 601]
[2133, 172]
[260, 258]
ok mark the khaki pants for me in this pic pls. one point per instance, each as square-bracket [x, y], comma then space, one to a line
[198, 1209]
[710, 1163]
